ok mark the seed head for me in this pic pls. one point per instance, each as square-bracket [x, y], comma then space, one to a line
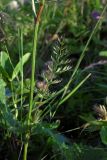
[101, 112]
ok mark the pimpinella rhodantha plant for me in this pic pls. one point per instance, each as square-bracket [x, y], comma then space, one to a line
[14, 103]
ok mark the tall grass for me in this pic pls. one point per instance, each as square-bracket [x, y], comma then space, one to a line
[32, 84]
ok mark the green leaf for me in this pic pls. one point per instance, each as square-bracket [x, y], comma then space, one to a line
[18, 66]
[103, 53]
[2, 91]
[5, 75]
[88, 117]
[6, 62]
[103, 134]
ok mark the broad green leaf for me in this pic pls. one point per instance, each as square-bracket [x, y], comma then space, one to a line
[2, 91]
[103, 53]
[103, 134]
[18, 66]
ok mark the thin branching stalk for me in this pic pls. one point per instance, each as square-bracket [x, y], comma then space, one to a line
[34, 54]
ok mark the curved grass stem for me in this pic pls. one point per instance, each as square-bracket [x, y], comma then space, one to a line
[84, 51]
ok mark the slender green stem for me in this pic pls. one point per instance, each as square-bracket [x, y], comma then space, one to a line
[25, 151]
[32, 87]
[21, 66]
[83, 53]
[70, 94]
[34, 54]
[14, 101]
[20, 34]
[33, 72]
[74, 90]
